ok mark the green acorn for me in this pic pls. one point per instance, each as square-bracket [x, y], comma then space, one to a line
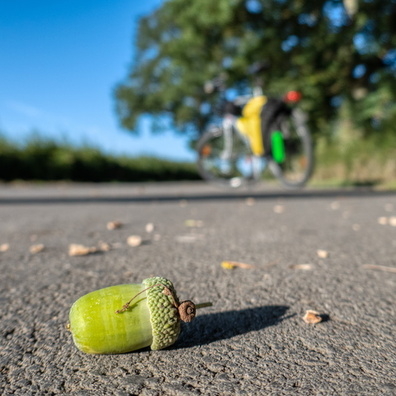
[150, 318]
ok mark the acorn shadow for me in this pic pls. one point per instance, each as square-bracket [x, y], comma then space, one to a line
[208, 328]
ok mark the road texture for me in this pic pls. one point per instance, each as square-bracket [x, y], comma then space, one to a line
[253, 340]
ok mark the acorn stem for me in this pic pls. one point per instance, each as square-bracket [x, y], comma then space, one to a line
[203, 305]
[126, 306]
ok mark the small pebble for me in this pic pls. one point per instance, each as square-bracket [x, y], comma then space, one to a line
[4, 247]
[113, 225]
[322, 253]
[80, 250]
[149, 227]
[134, 240]
[104, 246]
[36, 248]
[250, 201]
[279, 209]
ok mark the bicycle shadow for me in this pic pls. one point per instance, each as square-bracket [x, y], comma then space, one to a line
[209, 328]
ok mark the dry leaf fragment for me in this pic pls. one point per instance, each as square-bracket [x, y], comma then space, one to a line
[76, 249]
[188, 238]
[380, 267]
[4, 247]
[36, 248]
[383, 220]
[312, 317]
[149, 227]
[134, 240]
[322, 253]
[356, 227]
[113, 225]
[193, 223]
[335, 205]
[235, 264]
[303, 267]
[227, 265]
[392, 221]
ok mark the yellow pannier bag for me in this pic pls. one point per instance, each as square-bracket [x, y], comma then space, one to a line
[250, 124]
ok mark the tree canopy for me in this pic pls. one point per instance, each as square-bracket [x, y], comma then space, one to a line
[337, 53]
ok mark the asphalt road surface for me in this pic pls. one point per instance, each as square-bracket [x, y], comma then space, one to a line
[253, 340]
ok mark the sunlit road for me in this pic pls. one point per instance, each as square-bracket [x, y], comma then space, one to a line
[254, 339]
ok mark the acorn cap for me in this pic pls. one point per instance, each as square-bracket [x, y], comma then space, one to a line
[164, 315]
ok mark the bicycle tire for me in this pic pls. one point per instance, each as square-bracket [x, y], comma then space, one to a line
[297, 165]
[236, 168]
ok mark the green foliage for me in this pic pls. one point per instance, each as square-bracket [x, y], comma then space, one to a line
[369, 161]
[47, 160]
[333, 55]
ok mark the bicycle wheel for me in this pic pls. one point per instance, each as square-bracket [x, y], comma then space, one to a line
[226, 158]
[293, 162]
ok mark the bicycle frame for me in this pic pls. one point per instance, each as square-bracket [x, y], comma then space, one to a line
[230, 127]
[228, 124]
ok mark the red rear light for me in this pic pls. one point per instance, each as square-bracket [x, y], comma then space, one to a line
[293, 96]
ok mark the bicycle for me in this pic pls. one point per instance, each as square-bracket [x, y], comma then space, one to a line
[255, 133]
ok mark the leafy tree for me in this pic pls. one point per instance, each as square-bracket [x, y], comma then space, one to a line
[336, 53]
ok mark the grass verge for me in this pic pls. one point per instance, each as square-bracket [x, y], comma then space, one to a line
[367, 162]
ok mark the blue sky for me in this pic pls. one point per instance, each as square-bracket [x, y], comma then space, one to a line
[60, 62]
